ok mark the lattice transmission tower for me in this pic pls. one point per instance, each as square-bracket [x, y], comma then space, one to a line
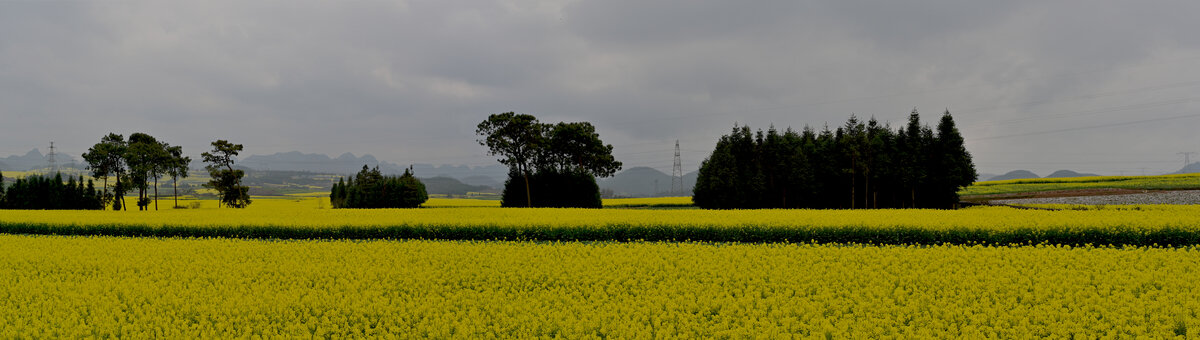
[677, 173]
[50, 159]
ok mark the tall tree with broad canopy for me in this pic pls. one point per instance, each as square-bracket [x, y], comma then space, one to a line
[225, 179]
[146, 158]
[527, 147]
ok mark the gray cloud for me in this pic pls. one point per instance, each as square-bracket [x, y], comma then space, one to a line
[408, 81]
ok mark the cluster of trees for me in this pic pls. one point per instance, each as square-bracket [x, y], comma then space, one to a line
[550, 165]
[370, 189]
[50, 193]
[139, 163]
[856, 166]
[135, 164]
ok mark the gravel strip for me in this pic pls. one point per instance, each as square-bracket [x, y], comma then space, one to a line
[1159, 197]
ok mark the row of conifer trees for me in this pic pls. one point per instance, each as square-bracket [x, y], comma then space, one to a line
[50, 193]
[858, 165]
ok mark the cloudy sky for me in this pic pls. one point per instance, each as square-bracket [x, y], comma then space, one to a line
[1097, 86]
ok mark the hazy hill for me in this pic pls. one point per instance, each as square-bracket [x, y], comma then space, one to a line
[348, 163]
[1190, 169]
[483, 180]
[1015, 174]
[296, 161]
[451, 186]
[34, 159]
[1069, 173]
[645, 182]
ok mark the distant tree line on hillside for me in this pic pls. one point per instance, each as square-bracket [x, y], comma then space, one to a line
[50, 193]
[370, 189]
[550, 165]
[855, 166]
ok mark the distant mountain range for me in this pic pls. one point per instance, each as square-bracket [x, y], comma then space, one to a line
[1026, 174]
[1015, 174]
[632, 182]
[348, 163]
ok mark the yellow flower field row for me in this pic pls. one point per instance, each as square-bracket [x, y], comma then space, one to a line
[650, 202]
[300, 219]
[1161, 182]
[305, 214]
[70, 287]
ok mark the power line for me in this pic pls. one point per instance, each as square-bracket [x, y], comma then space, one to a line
[1140, 121]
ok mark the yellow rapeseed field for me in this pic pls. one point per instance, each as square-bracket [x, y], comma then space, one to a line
[1161, 182]
[306, 213]
[82, 287]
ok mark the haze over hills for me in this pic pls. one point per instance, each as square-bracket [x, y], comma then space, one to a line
[1015, 174]
[348, 163]
[1189, 169]
[34, 159]
[645, 182]
[1068, 174]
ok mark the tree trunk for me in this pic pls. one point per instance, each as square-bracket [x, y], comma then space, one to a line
[853, 185]
[785, 206]
[155, 193]
[528, 195]
[175, 184]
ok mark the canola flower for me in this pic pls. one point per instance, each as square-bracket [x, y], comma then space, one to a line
[1162, 182]
[82, 287]
[649, 202]
[301, 219]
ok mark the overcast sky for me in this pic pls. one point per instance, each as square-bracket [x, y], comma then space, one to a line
[1096, 86]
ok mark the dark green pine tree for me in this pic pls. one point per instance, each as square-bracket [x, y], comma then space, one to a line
[333, 193]
[957, 169]
[716, 183]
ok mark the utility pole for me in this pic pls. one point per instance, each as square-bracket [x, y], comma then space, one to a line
[677, 173]
[1187, 157]
[50, 158]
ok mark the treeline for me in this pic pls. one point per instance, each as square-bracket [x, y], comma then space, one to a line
[139, 162]
[370, 189]
[549, 165]
[858, 165]
[50, 193]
